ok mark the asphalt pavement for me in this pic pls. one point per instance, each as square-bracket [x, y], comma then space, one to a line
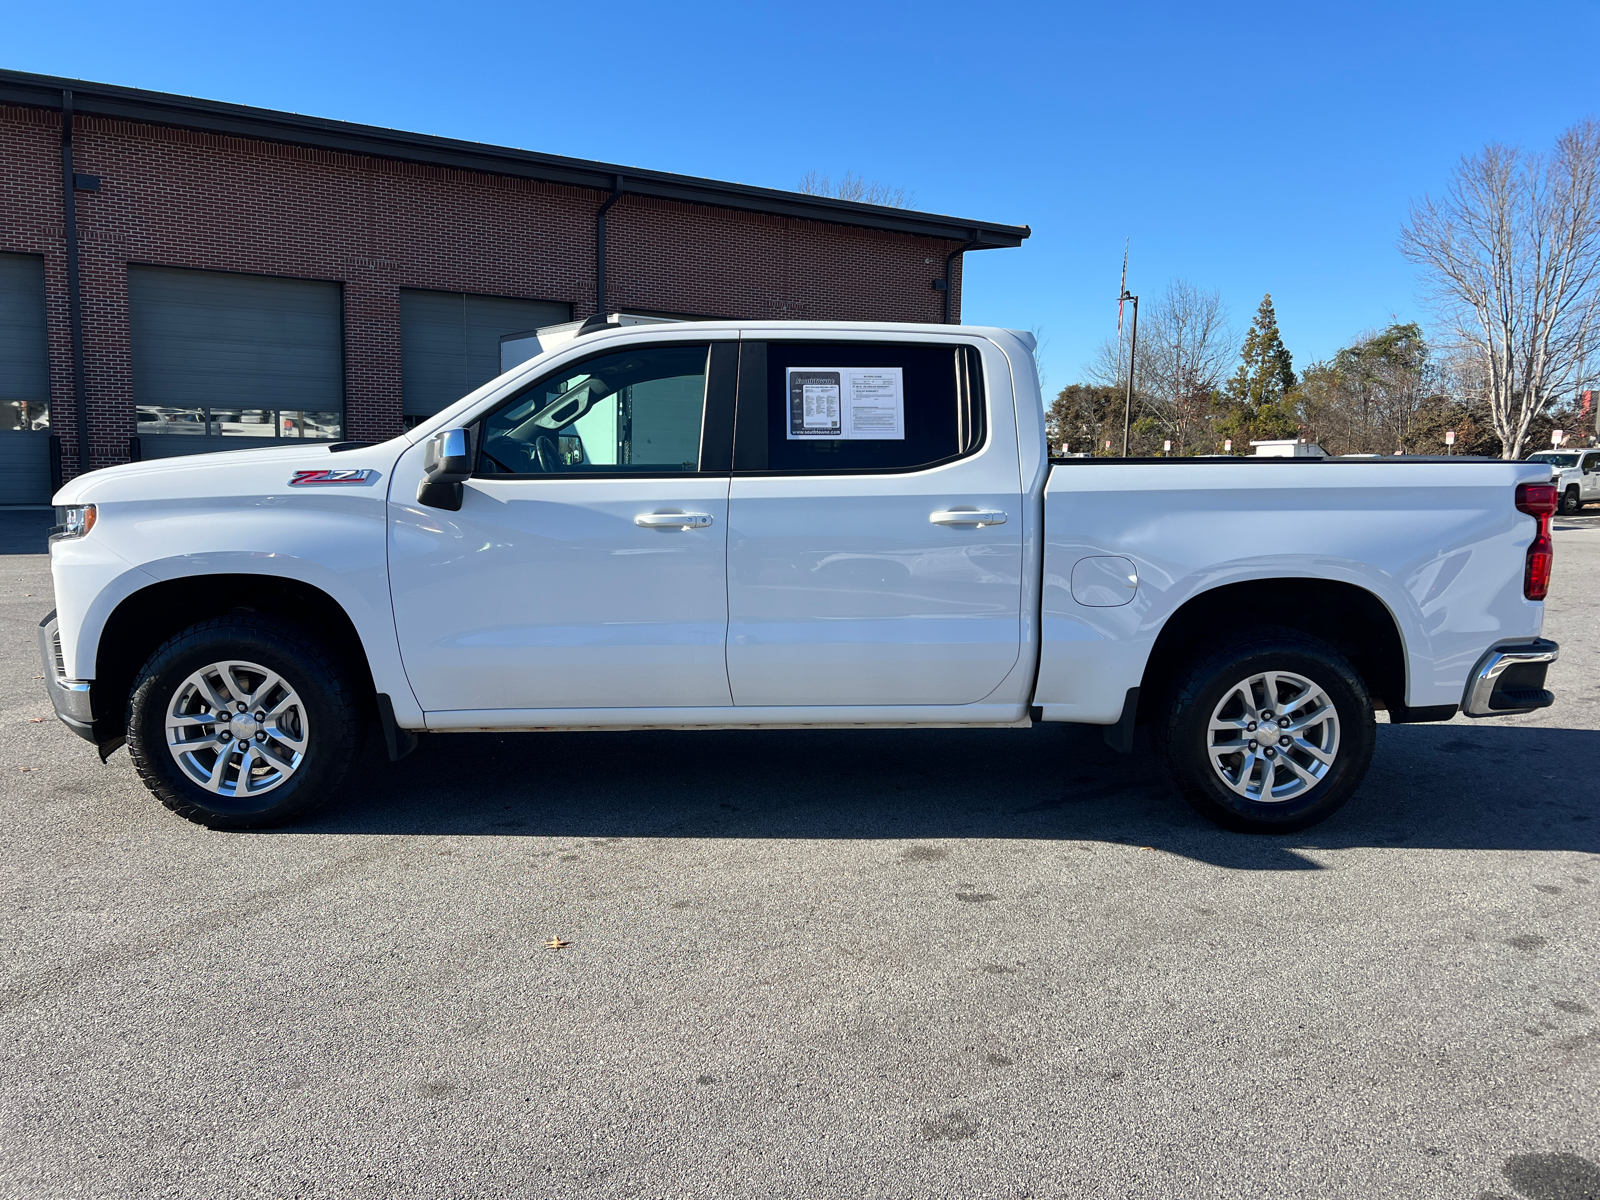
[834, 964]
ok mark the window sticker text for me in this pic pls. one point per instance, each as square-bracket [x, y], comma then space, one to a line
[846, 403]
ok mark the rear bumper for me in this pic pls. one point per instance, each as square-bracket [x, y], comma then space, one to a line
[1510, 680]
[72, 699]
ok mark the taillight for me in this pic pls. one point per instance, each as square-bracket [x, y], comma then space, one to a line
[1538, 500]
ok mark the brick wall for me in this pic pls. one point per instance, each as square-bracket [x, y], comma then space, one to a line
[179, 198]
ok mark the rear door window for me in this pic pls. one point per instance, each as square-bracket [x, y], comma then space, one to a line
[852, 407]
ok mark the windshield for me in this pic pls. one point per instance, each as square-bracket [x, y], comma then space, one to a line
[1555, 460]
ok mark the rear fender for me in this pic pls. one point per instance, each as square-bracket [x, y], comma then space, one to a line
[1092, 656]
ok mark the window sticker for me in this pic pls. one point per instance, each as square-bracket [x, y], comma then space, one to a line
[847, 403]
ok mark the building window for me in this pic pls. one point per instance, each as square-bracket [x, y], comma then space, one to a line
[245, 423]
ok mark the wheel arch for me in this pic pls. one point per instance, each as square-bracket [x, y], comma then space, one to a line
[1354, 620]
[145, 619]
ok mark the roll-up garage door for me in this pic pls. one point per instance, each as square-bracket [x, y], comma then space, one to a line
[225, 361]
[450, 342]
[24, 382]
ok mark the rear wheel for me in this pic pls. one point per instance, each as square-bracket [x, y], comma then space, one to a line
[242, 721]
[1571, 502]
[1269, 735]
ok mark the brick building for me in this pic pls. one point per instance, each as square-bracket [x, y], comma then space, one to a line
[186, 275]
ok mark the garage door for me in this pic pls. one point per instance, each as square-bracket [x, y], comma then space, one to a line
[450, 342]
[24, 382]
[225, 361]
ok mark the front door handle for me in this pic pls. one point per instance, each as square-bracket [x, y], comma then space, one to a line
[968, 516]
[673, 520]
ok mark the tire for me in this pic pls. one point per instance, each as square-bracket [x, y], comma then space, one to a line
[1571, 502]
[1303, 789]
[297, 757]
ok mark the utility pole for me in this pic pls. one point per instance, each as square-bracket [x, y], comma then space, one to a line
[1133, 347]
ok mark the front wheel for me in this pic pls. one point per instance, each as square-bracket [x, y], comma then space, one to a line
[242, 721]
[1571, 502]
[1269, 735]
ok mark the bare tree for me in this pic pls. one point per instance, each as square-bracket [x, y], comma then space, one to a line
[1511, 254]
[853, 187]
[1185, 349]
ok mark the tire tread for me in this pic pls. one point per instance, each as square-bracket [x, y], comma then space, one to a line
[296, 641]
[1184, 695]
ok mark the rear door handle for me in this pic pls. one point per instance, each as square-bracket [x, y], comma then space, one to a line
[968, 516]
[673, 520]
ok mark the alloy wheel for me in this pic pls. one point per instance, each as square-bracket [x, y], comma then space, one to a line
[1273, 736]
[237, 729]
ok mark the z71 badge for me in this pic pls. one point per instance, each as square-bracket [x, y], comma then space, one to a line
[304, 478]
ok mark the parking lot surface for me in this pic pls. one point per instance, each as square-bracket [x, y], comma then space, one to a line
[894, 964]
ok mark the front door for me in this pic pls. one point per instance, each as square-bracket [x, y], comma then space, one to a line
[875, 527]
[587, 565]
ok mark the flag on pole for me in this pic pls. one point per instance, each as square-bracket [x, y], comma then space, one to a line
[1122, 288]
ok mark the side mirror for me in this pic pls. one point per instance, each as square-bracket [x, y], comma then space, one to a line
[446, 462]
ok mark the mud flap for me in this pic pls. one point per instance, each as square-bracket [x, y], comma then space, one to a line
[1120, 736]
[399, 742]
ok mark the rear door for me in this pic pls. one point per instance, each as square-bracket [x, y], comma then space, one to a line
[875, 525]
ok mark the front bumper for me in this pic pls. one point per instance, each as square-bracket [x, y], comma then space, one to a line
[72, 699]
[1510, 680]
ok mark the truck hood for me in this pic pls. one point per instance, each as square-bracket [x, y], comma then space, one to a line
[222, 473]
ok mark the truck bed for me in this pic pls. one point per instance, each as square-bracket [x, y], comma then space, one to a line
[1129, 543]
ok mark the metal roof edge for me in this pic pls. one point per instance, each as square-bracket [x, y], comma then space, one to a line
[215, 116]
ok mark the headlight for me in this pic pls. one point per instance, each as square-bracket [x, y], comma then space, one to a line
[73, 521]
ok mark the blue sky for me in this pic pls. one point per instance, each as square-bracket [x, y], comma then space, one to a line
[1248, 148]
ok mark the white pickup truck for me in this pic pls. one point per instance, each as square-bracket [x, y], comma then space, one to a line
[781, 525]
[1576, 475]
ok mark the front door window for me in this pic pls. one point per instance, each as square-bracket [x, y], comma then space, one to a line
[634, 412]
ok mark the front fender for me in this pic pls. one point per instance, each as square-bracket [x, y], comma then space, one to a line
[329, 539]
[361, 590]
[91, 579]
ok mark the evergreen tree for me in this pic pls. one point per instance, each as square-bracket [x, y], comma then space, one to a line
[1260, 399]
[1266, 372]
